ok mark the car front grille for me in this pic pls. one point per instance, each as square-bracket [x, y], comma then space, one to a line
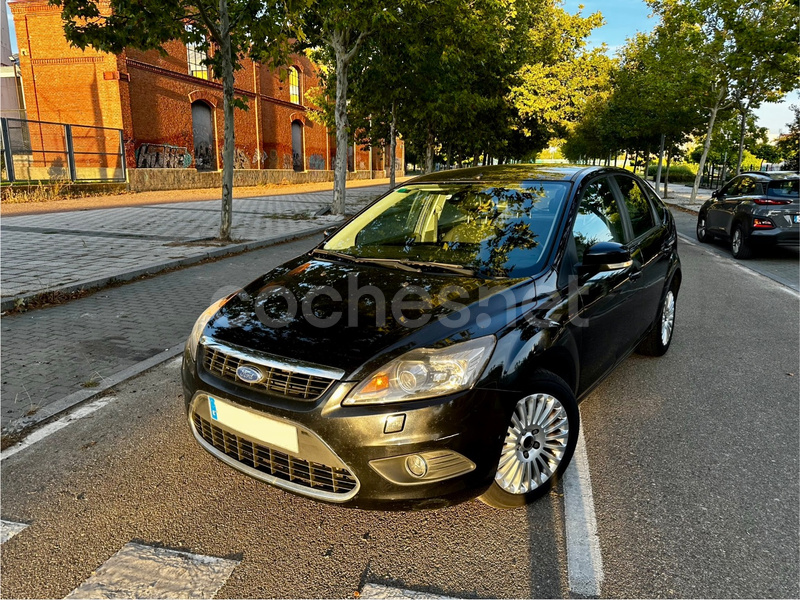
[274, 462]
[276, 380]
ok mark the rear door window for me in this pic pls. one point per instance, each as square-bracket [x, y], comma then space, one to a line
[638, 204]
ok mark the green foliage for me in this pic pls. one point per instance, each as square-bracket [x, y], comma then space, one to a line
[678, 173]
[789, 144]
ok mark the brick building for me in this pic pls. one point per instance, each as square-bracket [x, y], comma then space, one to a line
[169, 108]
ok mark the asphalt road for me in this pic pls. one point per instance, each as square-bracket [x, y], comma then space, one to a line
[693, 459]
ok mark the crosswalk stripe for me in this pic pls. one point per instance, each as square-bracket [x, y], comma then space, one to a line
[9, 529]
[385, 592]
[139, 571]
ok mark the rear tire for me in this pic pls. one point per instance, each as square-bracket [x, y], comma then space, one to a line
[702, 233]
[660, 337]
[740, 249]
[539, 443]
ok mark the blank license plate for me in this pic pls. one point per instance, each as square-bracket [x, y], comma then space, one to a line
[254, 425]
[796, 219]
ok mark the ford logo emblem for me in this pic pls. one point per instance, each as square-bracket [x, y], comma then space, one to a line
[249, 374]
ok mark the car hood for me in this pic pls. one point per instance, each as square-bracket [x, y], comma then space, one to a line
[257, 317]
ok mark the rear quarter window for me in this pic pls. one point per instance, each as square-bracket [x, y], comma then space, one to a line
[784, 189]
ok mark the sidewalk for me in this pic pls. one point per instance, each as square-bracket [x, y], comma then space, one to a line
[679, 195]
[66, 251]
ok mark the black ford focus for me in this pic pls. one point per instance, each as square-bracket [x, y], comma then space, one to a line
[434, 347]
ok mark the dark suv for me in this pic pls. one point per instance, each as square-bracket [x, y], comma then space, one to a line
[758, 208]
[433, 348]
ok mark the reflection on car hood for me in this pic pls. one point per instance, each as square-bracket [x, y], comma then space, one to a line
[360, 332]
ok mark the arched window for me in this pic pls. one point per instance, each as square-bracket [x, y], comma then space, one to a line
[294, 85]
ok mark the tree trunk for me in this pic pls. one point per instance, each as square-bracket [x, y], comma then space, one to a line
[429, 152]
[393, 147]
[625, 162]
[340, 113]
[712, 117]
[742, 129]
[646, 164]
[660, 160]
[450, 155]
[230, 139]
[666, 175]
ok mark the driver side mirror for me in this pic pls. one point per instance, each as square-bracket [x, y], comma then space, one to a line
[716, 194]
[606, 256]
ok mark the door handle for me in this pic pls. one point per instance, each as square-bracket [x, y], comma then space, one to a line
[634, 275]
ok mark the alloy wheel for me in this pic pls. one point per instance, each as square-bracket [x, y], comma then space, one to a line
[736, 242]
[667, 318]
[535, 444]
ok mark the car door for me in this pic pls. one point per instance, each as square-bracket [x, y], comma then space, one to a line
[600, 324]
[747, 189]
[650, 248]
[716, 215]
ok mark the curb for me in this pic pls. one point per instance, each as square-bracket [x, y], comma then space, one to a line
[681, 207]
[68, 402]
[101, 282]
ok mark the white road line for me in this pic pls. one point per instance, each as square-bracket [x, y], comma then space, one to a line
[139, 571]
[732, 263]
[51, 428]
[584, 561]
[385, 592]
[9, 529]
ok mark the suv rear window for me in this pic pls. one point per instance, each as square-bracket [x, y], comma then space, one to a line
[787, 188]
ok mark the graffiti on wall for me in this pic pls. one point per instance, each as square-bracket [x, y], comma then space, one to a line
[203, 157]
[240, 159]
[316, 162]
[162, 156]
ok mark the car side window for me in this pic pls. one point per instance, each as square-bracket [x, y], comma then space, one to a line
[598, 218]
[639, 211]
[732, 189]
[748, 187]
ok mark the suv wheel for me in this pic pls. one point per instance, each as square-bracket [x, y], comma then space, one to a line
[739, 247]
[539, 443]
[702, 233]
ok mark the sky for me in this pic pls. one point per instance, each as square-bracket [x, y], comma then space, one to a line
[623, 19]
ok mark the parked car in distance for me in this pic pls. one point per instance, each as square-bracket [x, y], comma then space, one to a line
[434, 347]
[754, 209]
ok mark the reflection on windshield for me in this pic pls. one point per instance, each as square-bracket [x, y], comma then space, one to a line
[498, 231]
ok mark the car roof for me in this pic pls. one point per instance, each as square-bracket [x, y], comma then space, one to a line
[512, 173]
[774, 175]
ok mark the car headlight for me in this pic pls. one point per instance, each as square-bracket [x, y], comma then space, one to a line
[202, 321]
[425, 373]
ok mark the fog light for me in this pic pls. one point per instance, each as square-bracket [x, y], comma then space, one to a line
[416, 465]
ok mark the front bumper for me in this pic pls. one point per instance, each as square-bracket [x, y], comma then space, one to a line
[348, 449]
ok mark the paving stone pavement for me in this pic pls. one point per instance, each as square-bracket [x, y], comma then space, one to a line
[49, 353]
[45, 252]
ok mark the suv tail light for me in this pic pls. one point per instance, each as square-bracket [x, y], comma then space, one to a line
[762, 224]
[770, 201]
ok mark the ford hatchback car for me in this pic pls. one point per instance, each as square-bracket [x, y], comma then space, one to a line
[433, 348]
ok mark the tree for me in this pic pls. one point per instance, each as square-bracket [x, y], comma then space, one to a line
[718, 39]
[233, 28]
[789, 144]
[340, 27]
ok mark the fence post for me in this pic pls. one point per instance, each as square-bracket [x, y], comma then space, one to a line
[73, 171]
[9, 155]
[122, 156]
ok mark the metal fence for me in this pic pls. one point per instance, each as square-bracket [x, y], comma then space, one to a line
[44, 151]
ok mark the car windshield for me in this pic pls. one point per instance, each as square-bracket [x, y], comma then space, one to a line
[788, 188]
[491, 230]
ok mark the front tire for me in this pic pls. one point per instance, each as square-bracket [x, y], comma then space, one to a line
[539, 443]
[740, 249]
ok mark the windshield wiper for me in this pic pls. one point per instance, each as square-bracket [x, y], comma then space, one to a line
[443, 266]
[390, 262]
